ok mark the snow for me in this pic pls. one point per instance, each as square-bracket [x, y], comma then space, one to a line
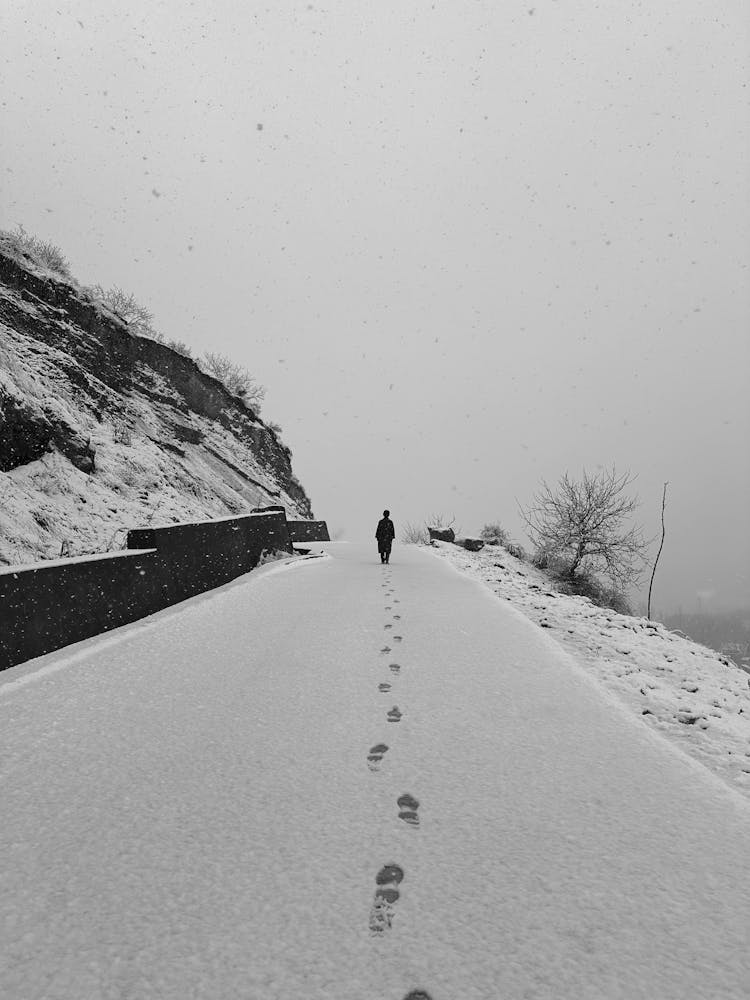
[189, 810]
[686, 692]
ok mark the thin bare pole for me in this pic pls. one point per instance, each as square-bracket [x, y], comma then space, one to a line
[661, 546]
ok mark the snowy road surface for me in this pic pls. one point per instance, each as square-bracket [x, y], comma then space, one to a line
[206, 805]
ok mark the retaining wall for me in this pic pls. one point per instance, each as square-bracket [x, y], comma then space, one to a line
[308, 531]
[53, 604]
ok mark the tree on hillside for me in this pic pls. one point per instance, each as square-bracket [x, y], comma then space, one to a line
[237, 379]
[581, 525]
[140, 320]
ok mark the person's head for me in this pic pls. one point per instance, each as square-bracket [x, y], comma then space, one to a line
[386, 513]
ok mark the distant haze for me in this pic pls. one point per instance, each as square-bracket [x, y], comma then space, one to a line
[466, 245]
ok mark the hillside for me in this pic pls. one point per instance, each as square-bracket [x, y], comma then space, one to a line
[102, 431]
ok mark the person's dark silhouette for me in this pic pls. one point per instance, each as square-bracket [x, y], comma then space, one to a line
[385, 535]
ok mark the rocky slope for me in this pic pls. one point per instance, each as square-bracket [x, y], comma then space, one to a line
[102, 431]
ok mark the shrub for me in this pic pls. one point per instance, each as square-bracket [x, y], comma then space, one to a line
[42, 252]
[587, 585]
[180, 347]
[515, 550]
[494, 531]
[414, 534]
[235, 378]
[540, 559]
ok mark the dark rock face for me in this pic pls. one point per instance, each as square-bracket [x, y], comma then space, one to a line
[24, 435]
[442, 534]
[27, 434]
[191, 435]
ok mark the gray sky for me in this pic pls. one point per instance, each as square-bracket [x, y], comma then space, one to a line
[466, 245]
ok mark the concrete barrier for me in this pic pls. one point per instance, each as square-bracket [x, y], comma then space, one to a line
[52, 604]
[308, 531]
[199, 556]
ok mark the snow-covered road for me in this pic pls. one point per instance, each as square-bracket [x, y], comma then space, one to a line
[206, 805]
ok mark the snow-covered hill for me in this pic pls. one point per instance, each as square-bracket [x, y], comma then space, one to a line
[690, 694]
[102, 431]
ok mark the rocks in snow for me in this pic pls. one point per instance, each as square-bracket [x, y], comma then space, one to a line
[470, 544]
[442, 534]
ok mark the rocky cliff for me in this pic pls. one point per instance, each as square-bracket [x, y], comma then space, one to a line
[102, 431]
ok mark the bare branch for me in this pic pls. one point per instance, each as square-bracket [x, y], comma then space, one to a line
[661, 546]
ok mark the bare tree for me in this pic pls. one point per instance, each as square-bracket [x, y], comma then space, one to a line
[140, 320]
[237, 379]
[661, 546]
[581, 525]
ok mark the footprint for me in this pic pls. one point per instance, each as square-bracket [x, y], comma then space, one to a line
[388, 626]
[397, 618]
[383, 686]
[387, 607]
[394, 715]
[408, 806]
[397, 638]
[375, 756]
[387, 880]
[418, 995]
[394, 667]
[385, 649]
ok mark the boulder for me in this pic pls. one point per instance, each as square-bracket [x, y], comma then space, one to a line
[471, 544]
[442, 534]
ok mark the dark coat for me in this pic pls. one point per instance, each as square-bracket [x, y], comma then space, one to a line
[385, 533]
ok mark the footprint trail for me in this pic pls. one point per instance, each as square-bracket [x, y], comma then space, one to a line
[387, 893]
[408, 807]
[375, 756]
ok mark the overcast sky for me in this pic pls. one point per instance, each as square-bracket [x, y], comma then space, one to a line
[466, 244]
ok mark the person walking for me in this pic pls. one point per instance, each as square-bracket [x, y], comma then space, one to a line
[385, 535]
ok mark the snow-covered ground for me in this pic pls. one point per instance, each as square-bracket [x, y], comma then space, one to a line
[688, 693]
[334, 779]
